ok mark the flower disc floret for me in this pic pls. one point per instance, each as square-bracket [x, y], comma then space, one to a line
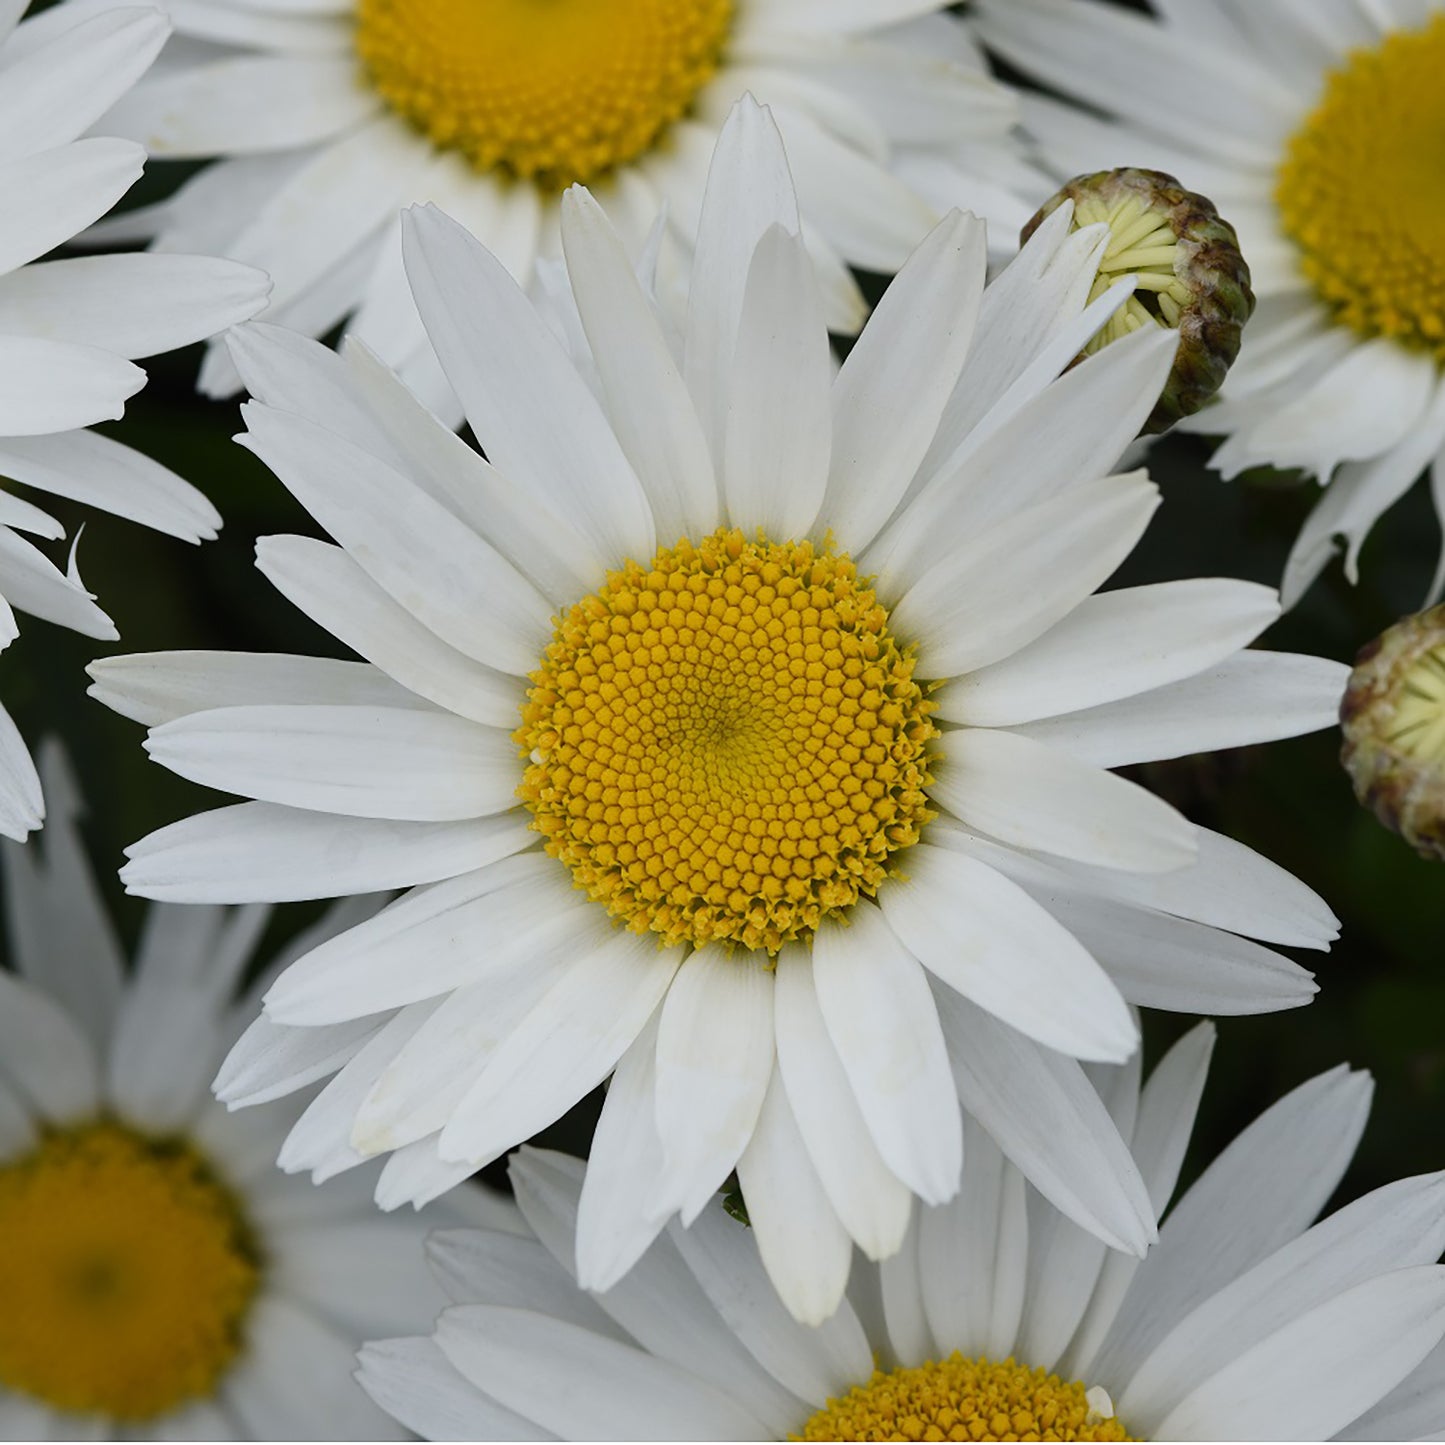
[1360, 190]
[127, 1272]
[728, 745]
[554, 92]
[964, 1399]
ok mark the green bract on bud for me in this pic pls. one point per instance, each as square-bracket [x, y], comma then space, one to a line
[1393, 717]
[1188, 274]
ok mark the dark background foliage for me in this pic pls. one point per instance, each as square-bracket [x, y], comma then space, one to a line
[1382, 999]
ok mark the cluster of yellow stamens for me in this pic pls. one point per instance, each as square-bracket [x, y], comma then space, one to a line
[126, 1272]
[1361, 193]
[1141, 241]
[553, 91]
[962, 1399]
[729, 744]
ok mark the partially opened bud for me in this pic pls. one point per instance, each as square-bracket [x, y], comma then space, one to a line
[1188, 274]
[1393, 717]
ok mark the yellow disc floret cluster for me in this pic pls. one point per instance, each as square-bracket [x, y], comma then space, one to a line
[126, 1272]
[729, 744]
[962, 1399]
[1362, 190]
[553, 91]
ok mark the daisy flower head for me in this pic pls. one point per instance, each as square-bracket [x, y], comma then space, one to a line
[741, 727]
[160, 1275]
[69, 329]
[324, 121]
[998, 1319]
[1315, 129]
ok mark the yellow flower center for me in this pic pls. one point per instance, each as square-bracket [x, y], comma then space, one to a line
[1417, 727]
[553, 91]
[1362, 190]
[1142, 241]
[126, 1272]
[728, 745]
[960, 1399]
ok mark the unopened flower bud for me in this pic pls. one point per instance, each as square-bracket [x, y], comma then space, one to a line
[1393, 717]
[1188, 274]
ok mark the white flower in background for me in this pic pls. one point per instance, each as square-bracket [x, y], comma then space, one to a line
[160, 1276]
[998, 1319]
[1316, 130]
[69, 328]
[798, 677]
[331, 116]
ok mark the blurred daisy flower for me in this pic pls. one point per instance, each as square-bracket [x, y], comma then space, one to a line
[1315, 128]
[746, 729]
[998, 1319]
[160, 1276]
[68, 329]
[328, 118]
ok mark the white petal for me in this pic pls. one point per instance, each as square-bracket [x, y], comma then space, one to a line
[890, 393]
[259, 851]
[61, 936]
[52, 386]
[1362, 406]
[51, 196]
[999, 590]
[658, 1304]
[875, 1000]
[614, 1222]
[153, 688]
[870, 1200]
[331, 588]
[1112, 646]
[293, 1381]
[244, 104]
[425, 943]
[446, 576]
[412, 1380]
[533, 414]
[815, 1363]
[90, 468]
[1261, 1192]
[132, 306]
[1031, 795]
[1045, 1115]
[749, 188]
[271, 1060]
[646, 399]
[1252, 697]
[973, 1253]
[984, 937]
[55, 92]
[1320, 1371]
[1392, 1228]
[714, 1060]
[366, 763]
[1166, 1113]
[578, 1384]
[564, 1047]
[22, 806]
[44, 1055]
[778, 433]
[805, 1249]
[1068, 431]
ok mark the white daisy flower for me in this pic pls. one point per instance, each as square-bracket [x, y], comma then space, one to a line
[160, 1275]
[998, 1320]
[1315, 128]
[69, 329]
[329, 117]
[718, 716]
